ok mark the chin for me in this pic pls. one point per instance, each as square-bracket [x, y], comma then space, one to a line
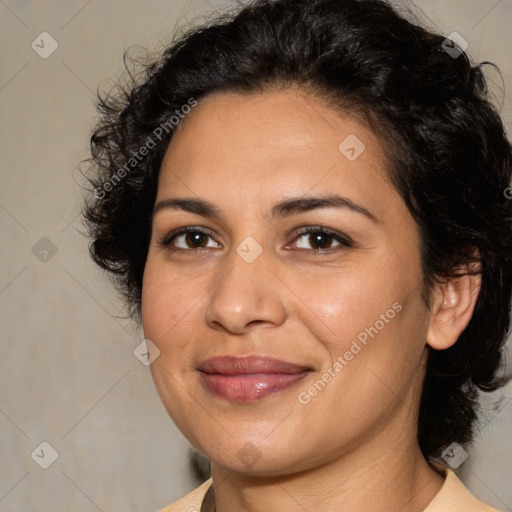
[256, 457]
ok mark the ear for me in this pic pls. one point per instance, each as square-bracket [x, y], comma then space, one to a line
[452, 307]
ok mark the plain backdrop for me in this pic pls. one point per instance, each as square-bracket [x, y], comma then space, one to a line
[68, 374]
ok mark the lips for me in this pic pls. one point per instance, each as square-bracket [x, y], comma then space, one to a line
[250, 378]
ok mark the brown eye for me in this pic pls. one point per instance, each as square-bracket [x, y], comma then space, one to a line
[189, 238]
[321, 239]
[196, 239]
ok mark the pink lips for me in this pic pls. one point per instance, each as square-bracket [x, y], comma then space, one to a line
[250, 378]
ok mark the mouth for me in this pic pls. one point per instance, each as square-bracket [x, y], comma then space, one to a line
[250, 378]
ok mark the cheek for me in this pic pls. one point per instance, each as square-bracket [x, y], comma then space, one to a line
[168, 310]
[372, 355]
[371, 324]
[169, 302]
[353, 302]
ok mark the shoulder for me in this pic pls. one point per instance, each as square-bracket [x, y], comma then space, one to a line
[454, 496]
[191, 502]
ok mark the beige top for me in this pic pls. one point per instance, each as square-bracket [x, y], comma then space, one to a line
[452, 497]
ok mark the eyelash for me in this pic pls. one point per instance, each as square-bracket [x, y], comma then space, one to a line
[345, 241]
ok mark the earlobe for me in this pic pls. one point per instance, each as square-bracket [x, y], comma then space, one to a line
[452, 308]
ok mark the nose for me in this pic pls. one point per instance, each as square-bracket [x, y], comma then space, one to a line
[247, 295]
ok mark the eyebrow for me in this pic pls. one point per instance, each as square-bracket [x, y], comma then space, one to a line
[283, 209]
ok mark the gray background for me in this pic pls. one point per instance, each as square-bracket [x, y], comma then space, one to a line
[68, 375]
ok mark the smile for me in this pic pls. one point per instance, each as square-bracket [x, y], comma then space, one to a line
[248, 379]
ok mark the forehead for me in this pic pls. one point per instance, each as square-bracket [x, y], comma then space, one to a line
[287, 119]
[247, 148]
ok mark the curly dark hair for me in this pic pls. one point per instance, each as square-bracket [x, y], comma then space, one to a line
[447, 150]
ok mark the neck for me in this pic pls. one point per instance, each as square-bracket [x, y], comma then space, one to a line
[375, 478]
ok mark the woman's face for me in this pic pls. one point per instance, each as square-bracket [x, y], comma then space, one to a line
[290, 319]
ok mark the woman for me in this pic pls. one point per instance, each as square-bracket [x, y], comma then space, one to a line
[304, 205]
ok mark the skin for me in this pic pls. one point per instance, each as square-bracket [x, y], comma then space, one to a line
[353, 446]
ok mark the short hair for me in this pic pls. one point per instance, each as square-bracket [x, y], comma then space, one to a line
[446, 146]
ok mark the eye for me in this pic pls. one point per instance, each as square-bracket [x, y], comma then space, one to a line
[188, 238]
[321, 239]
